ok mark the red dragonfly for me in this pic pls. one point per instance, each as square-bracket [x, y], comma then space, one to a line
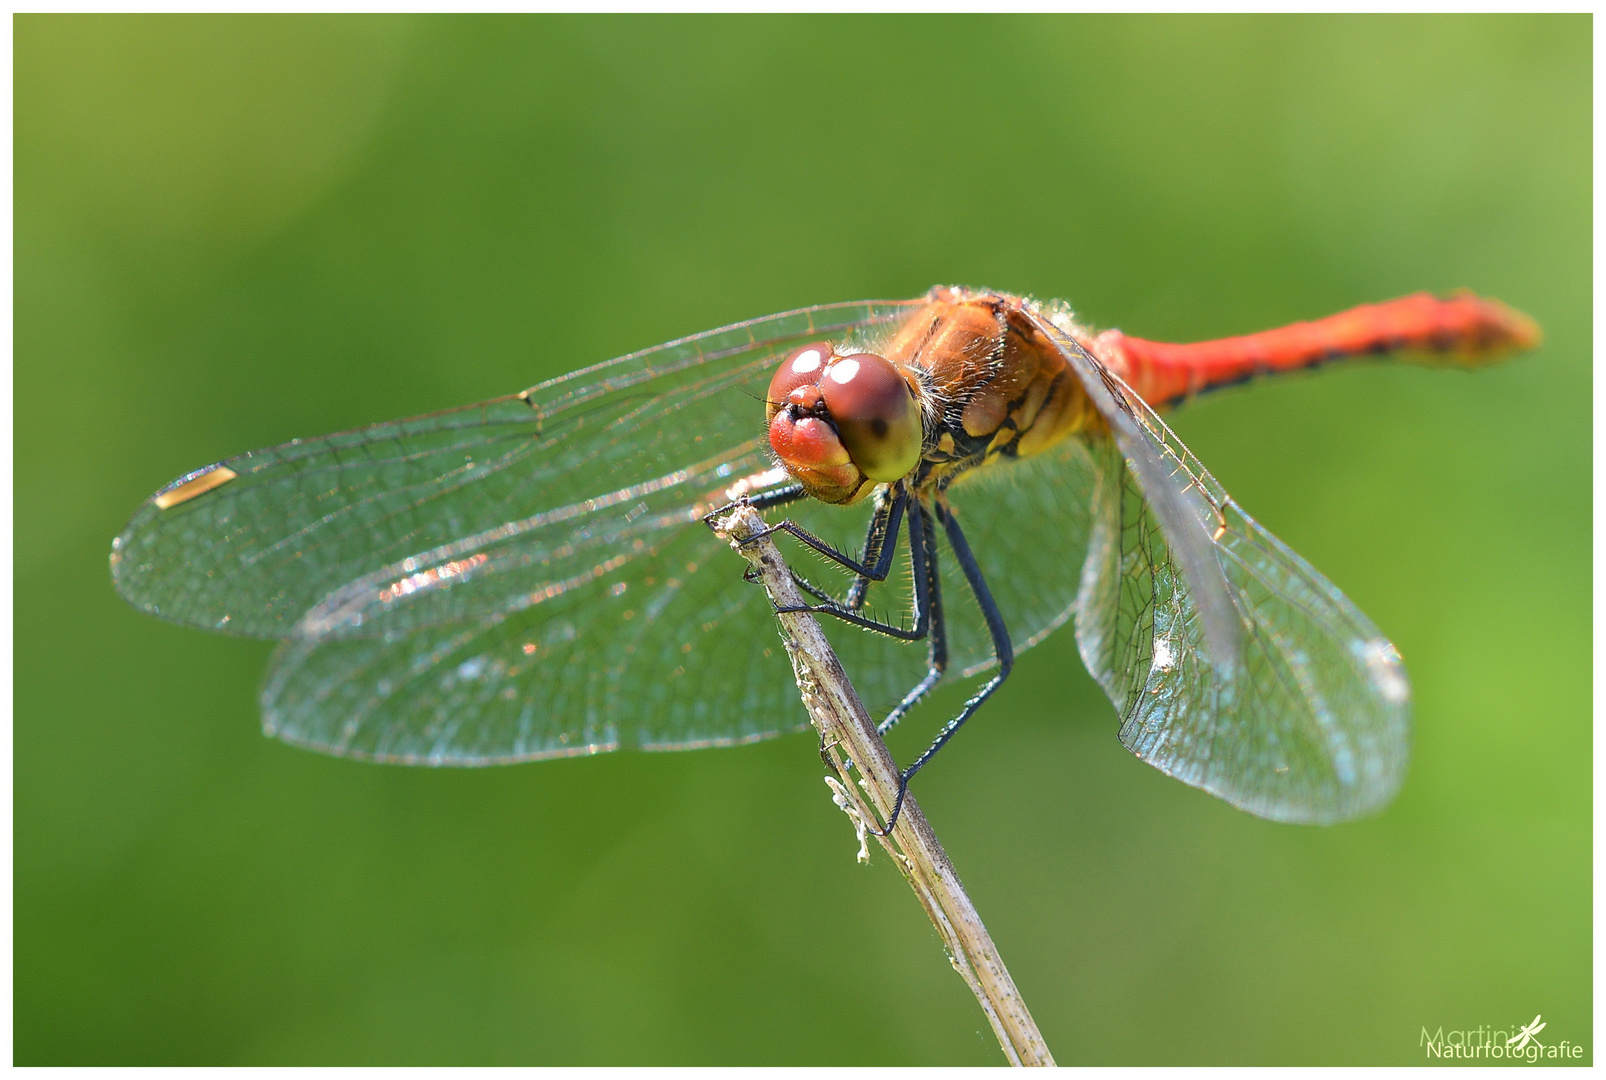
[530, 577]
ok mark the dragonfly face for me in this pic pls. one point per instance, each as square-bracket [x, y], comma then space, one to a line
[842, 424]
[529, 577]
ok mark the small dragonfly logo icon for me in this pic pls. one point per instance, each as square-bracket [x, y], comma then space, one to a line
[1527, 1033]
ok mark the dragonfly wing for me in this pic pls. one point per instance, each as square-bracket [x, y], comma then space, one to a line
[1306, 719]
[667, 649]
[1187, 512]
[608, 616]
[629, 626]
[288, 526]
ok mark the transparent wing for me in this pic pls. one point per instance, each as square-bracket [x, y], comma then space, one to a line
[290, 525]
[522, 579]
[647, 639]
[666, 649]
[1299, 711]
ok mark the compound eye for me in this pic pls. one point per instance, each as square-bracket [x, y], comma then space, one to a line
[802, 367]
[875, 413]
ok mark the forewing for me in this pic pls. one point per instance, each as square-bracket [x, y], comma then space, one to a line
[1307, 717]
[642, 635]
[663, 647]
[574, 602]
[667, 649]
[299, 522]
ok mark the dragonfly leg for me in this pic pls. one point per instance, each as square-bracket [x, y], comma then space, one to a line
[874, 538]
[937, 642]
[880, 539]
[1003, 649]
[780, 496]
[791, 493]
[763, 500]
[901, 504]
[883, 563]
[880, 547]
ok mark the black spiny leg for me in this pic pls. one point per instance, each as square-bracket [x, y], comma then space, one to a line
[777, 496]
[883, 531]
[902, 503]
[883, 563]
[885, 519]
[880, 545]
[781, 496]
[937, 643]
[1002, 649]
[881, 542]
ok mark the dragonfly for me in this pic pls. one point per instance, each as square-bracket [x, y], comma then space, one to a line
[531, 577]
[1526, 1034]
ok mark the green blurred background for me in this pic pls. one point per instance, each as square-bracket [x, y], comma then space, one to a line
[233, 231]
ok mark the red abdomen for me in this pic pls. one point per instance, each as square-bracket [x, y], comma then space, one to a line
[1463, 329]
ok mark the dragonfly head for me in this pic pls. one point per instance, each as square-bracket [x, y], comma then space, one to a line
[842, 424]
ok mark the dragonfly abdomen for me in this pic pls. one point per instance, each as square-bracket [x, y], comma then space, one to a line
[1462, 329]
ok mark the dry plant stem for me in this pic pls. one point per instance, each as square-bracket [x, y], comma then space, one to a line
[848, 732]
